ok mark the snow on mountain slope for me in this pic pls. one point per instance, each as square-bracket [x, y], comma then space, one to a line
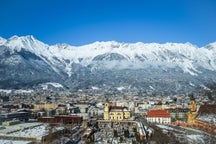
[186, 56]
[56, 85]
[31, 44]
[27, 42]
[2, 41]
[113, 54]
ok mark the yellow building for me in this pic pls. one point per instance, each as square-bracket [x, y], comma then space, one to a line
[9, 123]
[115, 112]
[45, 106]
[192, 114]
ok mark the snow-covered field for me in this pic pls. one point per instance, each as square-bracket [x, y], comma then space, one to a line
[188, 134]
[164, 127]
[32, 132]
[211, 118]
[13, 142]
[36, 131]
[199, 139]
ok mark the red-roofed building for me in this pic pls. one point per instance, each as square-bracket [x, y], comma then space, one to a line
[159, 116]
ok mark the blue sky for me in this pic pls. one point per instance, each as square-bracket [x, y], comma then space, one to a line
[79, 22]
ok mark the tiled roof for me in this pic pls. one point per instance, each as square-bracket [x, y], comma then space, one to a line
[158, 113]
[207, 109]
[117, 108]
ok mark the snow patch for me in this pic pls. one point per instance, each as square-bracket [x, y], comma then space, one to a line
[5, 91]
[151, 87]
[95, 88]
[191, 84]
[120, 88]
[2, 141]
[164, 127]
[36, 131]
[196, 138]
[23, 91]
[211, 118]
[203, 86]
[56, 85]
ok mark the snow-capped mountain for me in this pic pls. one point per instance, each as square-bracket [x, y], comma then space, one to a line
[133, 65]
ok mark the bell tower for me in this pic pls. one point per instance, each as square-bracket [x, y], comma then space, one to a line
[106, 110]
[192, 114]
[193, 105]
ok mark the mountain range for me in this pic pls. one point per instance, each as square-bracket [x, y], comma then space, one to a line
[26, 62]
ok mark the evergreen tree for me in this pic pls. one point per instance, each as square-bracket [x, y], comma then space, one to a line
[126, 133]
[137, 135]
[121, 140]
[115, 133]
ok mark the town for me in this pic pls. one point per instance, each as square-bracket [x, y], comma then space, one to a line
[80, 118]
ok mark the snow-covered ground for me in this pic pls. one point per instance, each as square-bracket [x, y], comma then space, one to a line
[198, 139]
[164, 127]
[211, 118]
[13, 142]
[36, 131]
[32, 132]
[189, 135]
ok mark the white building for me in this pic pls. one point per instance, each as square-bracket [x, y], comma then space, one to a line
[159, 116]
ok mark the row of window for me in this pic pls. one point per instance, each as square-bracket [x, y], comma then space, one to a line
[116, 117]
[159, 120]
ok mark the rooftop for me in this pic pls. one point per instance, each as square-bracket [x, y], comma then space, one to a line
[158, 113]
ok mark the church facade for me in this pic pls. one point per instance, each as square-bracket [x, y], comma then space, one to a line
[203, 118]
[115, 112]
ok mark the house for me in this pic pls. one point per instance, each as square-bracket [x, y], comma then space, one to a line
[66, 119]
[115, 112]
[179, 114]
[159, 116]
[22, 116]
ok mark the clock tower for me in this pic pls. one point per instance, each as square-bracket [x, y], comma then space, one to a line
[192, 114]
[106, 110]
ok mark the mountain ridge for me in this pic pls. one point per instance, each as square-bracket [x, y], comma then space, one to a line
[73, 64]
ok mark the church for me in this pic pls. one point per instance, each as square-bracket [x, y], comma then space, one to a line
[115, 112]
[203, 118]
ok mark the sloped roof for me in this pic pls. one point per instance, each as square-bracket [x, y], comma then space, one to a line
[158, 113]
[207, 109]
[117, 108]
[207, 113]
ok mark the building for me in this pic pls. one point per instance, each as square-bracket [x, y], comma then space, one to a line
[61, 119]
[115, 112]
[22, 116]
[179, 114]
[9, 123]
[203, 118]
[45, 106]
[159, 116]
[192, 114]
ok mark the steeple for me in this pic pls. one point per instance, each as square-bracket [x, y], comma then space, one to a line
[106, 105]
[106, 110]
[192, 103]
